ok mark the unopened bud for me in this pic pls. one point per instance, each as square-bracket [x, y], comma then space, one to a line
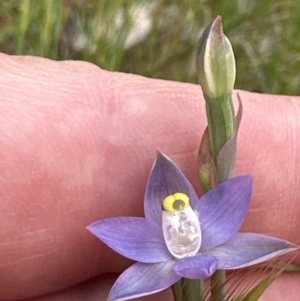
[215, 62]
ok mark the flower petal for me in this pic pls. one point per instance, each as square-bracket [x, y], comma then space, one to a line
[222, 210]
[143, 279]
[246, 249]
[196, 267]
[132, 237]
[165, 178]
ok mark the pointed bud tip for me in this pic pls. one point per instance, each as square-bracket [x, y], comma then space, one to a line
[218, 21]
[215, 62]
[216, 26]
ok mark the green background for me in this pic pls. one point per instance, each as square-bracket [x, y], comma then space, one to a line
[158, 38]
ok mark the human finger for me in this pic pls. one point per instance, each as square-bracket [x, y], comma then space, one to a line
[77, 145]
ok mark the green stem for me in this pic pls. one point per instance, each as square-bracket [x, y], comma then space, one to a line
[221, 126]
[188, 290]
[177, 291]
[218, 280]
[221, 122]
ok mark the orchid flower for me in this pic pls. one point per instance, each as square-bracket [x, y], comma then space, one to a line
[182, 235]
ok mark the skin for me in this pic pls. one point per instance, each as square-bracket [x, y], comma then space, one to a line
[77, 144]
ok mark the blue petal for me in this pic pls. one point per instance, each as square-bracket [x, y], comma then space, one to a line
[143, 279]
[132, 237]
[223, 209]
[165, 179]
[196, 267]
[246, 249]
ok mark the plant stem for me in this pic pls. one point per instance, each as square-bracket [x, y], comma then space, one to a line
[221, 125]
[221, 122]
[218, 280]
[188, 290]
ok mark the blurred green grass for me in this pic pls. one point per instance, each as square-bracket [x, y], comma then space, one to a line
[158, 38]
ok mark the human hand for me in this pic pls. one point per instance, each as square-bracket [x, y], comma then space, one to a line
[77, 144]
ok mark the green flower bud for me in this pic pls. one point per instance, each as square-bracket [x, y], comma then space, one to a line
[215, 62]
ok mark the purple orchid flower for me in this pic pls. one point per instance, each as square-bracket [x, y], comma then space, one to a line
[182, 235]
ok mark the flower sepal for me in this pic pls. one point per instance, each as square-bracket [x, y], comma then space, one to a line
[220, 212]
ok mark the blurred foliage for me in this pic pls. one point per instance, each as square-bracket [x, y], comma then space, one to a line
[158, 38]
